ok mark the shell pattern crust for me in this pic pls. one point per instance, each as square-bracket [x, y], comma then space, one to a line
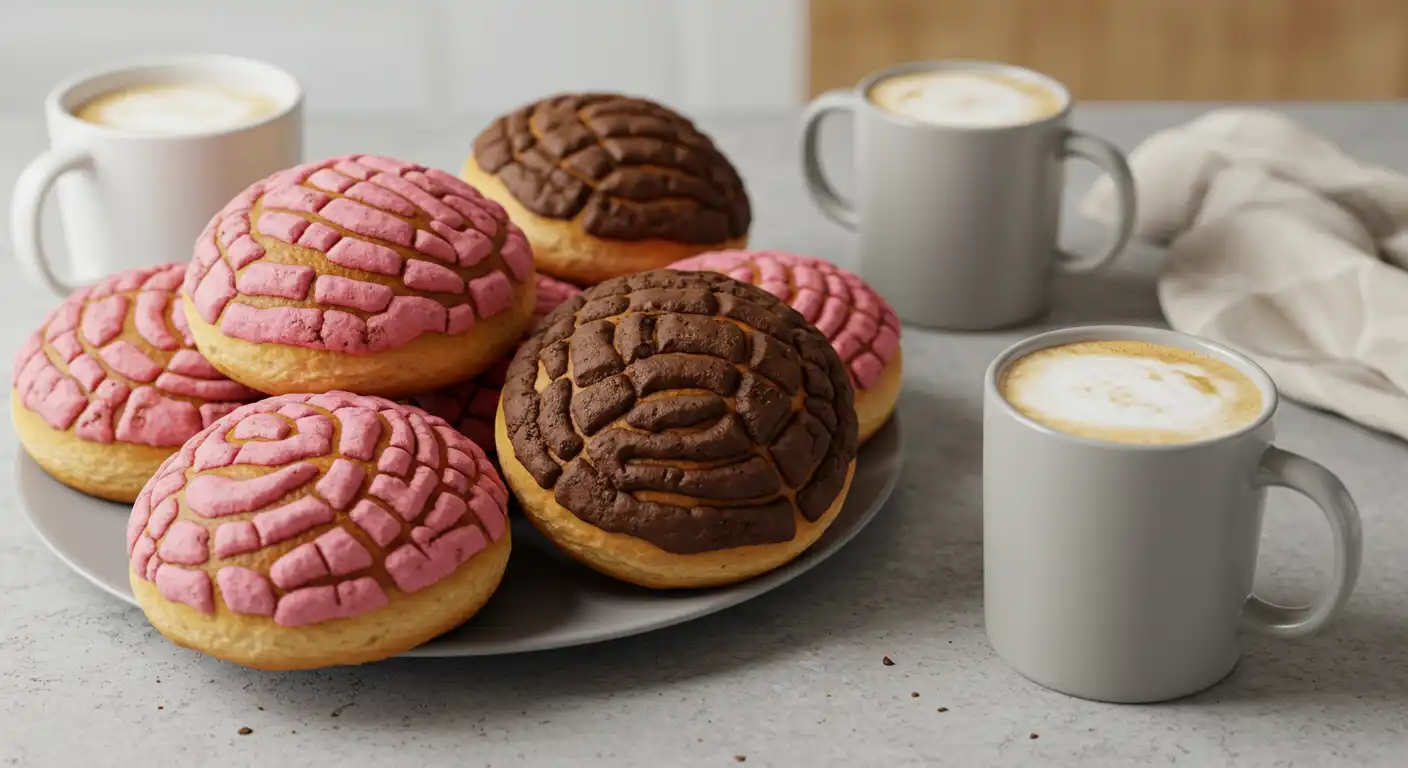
[687, 409]
[356, 254]
[630, 168]
[115, 362]
[306, 508]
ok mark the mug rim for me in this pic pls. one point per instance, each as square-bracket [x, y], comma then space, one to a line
[289, 93]
[1270, 396]
[862, 89]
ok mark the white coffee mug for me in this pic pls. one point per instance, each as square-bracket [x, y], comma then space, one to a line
[132, 199]
[1123, 572]
[957, 224]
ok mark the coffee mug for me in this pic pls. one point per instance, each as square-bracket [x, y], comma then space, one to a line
[1123, 572]
[958, 221]
[131, 199]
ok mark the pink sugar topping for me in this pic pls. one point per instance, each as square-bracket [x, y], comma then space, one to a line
[114, 362]
[551, 293]
[368, 214]
[310, 472]
[862, 327]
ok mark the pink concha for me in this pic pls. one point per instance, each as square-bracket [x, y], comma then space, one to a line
[470, 405]
[351, 530]
[551, 293]
[116, 363]
[861, 325]
[396, 251]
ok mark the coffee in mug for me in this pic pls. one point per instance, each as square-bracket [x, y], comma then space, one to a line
[965, 98]
[177, 108]
[1124, 476]
[1130, 391]
[960, 171]
[142, 154]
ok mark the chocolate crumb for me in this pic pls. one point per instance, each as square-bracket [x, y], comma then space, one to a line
[261, 709]
[943, 709]
[914, 694]
[741, 758]
[1035, 736]
[887, 661]
[246, 731]
[160, 707]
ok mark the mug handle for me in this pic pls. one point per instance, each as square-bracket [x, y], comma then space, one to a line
[1111, 161]
[831, 203]
[1284, 469]
[30, 191]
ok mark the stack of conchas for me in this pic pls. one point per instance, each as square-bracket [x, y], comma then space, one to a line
[668, 428]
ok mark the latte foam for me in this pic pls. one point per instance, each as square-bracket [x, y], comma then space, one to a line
[971, 99]
[176, 108]
[1131, 392]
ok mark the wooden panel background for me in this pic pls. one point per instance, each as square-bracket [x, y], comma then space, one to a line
[1132, 49]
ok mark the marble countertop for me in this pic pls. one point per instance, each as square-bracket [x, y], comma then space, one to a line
[795, 677]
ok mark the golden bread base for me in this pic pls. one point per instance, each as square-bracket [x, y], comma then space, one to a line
[561, 247]
[428, 362]
[636, 560]
[256, 641]
[876, 405]
[114, 471]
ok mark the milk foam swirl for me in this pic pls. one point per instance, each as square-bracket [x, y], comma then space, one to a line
[176, 109]
[1132, 392]
[964, 98]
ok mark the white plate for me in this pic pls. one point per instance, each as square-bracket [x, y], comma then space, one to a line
[546, 600]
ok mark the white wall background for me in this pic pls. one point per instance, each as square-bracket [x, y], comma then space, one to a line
[482, 56]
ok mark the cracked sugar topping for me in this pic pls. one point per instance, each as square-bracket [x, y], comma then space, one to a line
[631, 168]
[860, 324]
[305, 508]
[684, 408]
[116, 362]
[356, 254]
[471, 405]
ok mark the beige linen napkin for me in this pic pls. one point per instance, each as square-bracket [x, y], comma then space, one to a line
[1285, 248]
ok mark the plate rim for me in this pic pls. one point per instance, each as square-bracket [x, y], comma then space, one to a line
[438, 648]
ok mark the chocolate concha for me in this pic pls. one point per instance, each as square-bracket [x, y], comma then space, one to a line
[306, 531]
[606, 185]
[861, 325]
[678, 429]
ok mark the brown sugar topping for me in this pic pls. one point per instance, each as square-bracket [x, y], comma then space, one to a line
[684, 408]
[634, 169]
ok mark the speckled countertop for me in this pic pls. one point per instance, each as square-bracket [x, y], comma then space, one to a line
[795, 677]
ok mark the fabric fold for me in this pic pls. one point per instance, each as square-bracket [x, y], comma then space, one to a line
[1285, 248]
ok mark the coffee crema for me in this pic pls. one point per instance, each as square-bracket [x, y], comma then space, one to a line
[176, 108]
[966, 98]
[1131, 392]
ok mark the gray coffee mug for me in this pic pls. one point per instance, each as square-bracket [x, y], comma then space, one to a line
[958, 225]
[1123, 572]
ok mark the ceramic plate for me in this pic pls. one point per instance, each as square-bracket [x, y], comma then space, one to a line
[546, 600]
